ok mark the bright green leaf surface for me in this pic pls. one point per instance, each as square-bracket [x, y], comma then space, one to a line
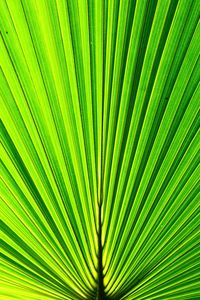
[99, 107]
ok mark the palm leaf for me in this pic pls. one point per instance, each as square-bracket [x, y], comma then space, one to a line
[99, 149]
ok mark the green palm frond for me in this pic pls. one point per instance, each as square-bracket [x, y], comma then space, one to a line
[99, 106]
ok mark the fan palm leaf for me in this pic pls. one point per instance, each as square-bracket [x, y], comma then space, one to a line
[100, 149]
